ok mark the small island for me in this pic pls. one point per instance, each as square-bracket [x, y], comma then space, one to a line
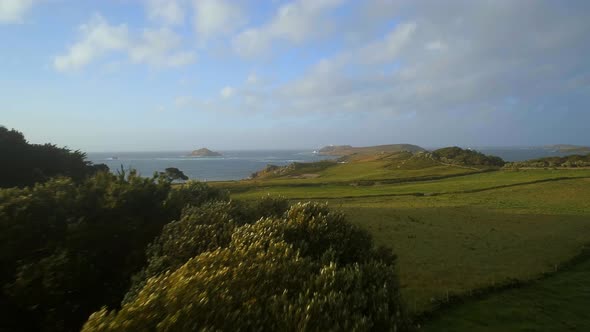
[204, 152]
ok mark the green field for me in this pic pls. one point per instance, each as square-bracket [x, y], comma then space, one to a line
[535, 307]
[351, 172]
[480, 181]
[453, 243]
[458, 233]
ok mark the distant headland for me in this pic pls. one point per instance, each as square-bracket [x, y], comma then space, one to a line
[568, 148]
[344, 150]
[204, 152]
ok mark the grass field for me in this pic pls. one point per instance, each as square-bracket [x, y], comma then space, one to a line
[480, 181]
[454, 243]
[557, 303]
[455, 234]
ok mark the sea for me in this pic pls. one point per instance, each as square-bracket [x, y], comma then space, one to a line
[233, 165]
[237, 165]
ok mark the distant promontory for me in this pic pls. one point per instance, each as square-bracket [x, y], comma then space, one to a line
[568, 148]
[344, 150]
[204, 152]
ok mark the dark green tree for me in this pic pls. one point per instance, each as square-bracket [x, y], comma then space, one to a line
[174, 174]
[25, 164]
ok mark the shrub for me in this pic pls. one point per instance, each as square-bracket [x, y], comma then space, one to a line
[309, 270]
[194, 193]
[200, 229]
[67, 248]
[270, 206]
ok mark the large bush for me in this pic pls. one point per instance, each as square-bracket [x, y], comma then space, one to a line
[68, 248]
[307, 270]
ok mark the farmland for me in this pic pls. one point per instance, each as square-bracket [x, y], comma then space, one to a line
[456, 230]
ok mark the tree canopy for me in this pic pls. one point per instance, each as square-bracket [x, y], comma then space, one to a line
[25, 164]
[174, 174]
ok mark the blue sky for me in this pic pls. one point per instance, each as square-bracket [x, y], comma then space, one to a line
[123, 75]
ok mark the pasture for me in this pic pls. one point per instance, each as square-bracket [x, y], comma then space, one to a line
[459, 233]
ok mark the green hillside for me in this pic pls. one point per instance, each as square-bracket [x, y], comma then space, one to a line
[457, 221]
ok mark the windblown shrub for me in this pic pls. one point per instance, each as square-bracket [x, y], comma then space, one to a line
[200, 229]
[309, 270]
[270, 206]
[67, 248]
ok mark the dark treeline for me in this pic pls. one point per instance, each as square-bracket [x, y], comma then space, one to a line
[24, 164]
[84, 248]
[572, 161]
[458, 156]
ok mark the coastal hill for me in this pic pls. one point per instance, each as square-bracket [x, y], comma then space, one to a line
[383, 162]
[345, 150]
[568, 148]
[204, 152]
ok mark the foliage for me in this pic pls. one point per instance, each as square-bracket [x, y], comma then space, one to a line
[24, 164]
[570, 161]
[201, 228]
[67, 248]
[270, 206]
[309, 270]
[466, 157]
[194, 193]
[293, 169]
[173, 174]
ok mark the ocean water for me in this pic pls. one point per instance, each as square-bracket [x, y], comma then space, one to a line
[233, 165]
[236, 165]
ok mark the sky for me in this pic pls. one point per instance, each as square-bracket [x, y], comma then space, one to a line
[153, 75]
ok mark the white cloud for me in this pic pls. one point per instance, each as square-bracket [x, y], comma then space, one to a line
[166, 11]
[215, 18]
[13, 11]
[295, 22]
[435, 45]
[99, 38]
[183, 101]
[157, 47]
[252, 79]
[456, 55]
[227, 92]
[388, 49]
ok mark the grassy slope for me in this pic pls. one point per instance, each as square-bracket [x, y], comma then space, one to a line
[454, 243]
[477, 181]
[374, 169]
[565, 295]
[481, 229]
